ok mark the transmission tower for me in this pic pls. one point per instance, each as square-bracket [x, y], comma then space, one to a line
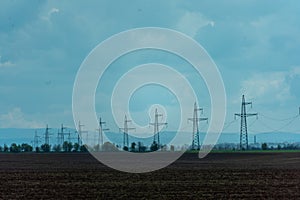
[196, 133]
[80, 132]
[125, 130]
[243, 129]
[36, 140]
[100, 131]
[61, 135]
[156, 125]
[47, 135]
[70, 136]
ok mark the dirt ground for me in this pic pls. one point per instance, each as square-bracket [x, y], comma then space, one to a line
[218, 176]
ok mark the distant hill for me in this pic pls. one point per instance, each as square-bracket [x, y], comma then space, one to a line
[16, 135]
[278, 137]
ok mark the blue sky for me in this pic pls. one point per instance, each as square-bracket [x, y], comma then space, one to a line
[255, 45]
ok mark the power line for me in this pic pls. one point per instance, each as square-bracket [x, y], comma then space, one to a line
[228, 124]
[254, 121]
[277, 119]
[270, 129]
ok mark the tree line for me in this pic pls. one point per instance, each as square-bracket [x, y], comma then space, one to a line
[134, 147]
[25, 147]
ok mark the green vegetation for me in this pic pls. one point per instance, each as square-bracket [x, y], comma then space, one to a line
[139, 147]
[24, 147]
[254, 151]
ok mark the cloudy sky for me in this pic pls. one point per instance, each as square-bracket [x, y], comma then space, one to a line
[255, 45]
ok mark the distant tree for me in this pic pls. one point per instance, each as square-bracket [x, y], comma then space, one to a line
[57, 148]
[83, 148]
[141, 147]
[154, 146]
[291, 146]
[1, 148]
[26, 147]
[45, 147]
[70, 146]
[125, 148]
[76, 147]
[5, 148]
[133, 146]
[37, 149]
[15, 148]
[264, 146]
[67, 146]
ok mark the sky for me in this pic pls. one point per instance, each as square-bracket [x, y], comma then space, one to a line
[254, 43]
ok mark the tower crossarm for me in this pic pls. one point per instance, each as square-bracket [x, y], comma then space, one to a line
[198, 119]
[159, 124]
[251, 114]
[246, 115]
[128, 129]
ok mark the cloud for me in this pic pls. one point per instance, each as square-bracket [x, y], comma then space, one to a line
[270, 86]
[50, 13]
[53, 10]
[47, 41]
[6, 63]
[16, 119]
[191, 22]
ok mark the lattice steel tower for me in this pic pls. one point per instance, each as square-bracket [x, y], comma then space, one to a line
[243, 129]
[47, 135]
[61, 135]
[100, 131]
[156, 125]
[36, 141]
[125, 132]
[80, 133]
[196, 133]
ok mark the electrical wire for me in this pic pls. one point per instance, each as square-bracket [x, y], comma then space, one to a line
[250, 125]
[275, 130]
[228, 124]
[277, 119]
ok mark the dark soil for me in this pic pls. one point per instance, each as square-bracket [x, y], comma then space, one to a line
[218, 176]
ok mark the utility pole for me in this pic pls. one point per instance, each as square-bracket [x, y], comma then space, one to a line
[196, 133]
[243, 129]
[100, 131]
[125, 130]
[156, 125]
